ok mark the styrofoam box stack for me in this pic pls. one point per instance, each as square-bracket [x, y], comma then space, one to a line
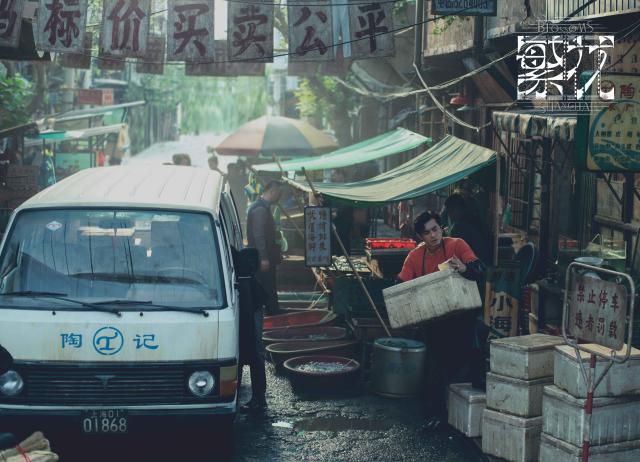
[615, 424]
[520, 369]
[466, 405]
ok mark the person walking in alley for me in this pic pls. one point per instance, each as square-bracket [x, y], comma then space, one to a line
[449, 340]
[261, 234]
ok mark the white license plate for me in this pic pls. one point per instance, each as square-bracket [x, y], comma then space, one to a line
[105, 421]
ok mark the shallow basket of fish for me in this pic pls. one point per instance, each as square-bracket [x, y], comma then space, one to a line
[330, 374]
[281, 351]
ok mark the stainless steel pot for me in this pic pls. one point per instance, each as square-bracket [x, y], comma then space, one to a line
[398, 366]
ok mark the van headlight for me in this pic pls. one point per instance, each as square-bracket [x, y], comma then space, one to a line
[201, 383]
[11, 383]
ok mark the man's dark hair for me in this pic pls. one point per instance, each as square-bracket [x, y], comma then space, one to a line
[423, 218]
[455, 201]
[273, 184]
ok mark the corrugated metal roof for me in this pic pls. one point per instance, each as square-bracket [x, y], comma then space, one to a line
[143, 186]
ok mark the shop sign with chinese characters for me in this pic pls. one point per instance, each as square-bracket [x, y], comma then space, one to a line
[613, 132]
[317, 236]
[597, 311]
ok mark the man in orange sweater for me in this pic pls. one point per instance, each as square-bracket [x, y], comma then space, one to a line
[449, 340]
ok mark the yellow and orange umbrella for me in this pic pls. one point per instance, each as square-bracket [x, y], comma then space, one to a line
[282, 136]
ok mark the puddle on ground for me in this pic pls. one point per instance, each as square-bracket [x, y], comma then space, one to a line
[335, 424]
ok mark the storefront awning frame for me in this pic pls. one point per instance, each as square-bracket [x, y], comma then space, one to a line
[445, 163]
[390, 143]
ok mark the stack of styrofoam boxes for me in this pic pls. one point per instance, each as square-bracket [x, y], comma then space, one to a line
[466, 405]
[512, 422]
[615, 423]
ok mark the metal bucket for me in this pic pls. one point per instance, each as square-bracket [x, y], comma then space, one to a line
[398, 366]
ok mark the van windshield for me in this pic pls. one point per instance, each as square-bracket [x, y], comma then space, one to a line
[168, 258]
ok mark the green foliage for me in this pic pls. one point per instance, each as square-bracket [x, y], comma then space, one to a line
[443, 24]
[209, 104]
[15, 95]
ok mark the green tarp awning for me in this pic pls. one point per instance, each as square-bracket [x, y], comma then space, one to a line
[447, 162]
[394, 142]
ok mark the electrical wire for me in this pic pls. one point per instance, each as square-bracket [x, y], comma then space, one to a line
[455, 119]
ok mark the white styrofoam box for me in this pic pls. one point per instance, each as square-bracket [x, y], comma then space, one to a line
[465, 405]
[614, 420]
[515, 439]
[527, 357]
[514, 396]
[429, 297]
[622, 379]
[555, 450]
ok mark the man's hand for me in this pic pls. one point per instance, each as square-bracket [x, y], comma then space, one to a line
[264, 265]
[457, 265]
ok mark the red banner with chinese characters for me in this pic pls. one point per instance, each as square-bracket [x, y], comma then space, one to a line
[60, 25]
[250, 31]
[125, 28]
[597, 311]
[190, 31]
[310, 31]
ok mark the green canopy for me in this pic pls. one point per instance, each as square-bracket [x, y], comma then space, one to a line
[393, 142]
[447, 162]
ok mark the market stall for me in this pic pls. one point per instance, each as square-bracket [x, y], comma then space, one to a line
[445, 163]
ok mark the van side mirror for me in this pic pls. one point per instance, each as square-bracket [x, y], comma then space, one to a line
[248, 262]
[6, 360]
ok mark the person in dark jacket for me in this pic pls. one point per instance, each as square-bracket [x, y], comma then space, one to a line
[261, 234]
[252, 299]
[466, 224]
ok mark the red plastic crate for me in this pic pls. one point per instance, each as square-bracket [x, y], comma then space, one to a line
[379, 243]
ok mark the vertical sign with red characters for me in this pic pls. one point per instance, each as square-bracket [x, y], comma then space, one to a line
[371, 30]
[310, 31]
[61, 25]
[125, 28]
[190, 31]
[597, 311]
[250, 31]
[10, 22]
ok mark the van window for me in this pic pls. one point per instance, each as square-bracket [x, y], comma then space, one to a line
[169, 258]
[232, 224]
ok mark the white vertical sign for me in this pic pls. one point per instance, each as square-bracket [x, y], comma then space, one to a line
[190, 31]
[61, 25]
[125, 28]
[371, 30]
[597, 311]
[310, 31]
[10, 22]
[317, 236]
[250, 31]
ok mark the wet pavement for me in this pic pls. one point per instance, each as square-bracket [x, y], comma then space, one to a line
[357, 427]
[353, 425]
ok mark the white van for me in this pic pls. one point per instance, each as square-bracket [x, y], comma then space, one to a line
[118, 301]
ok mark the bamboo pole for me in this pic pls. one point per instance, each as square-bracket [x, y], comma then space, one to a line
[497, 217]
[348, 257]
